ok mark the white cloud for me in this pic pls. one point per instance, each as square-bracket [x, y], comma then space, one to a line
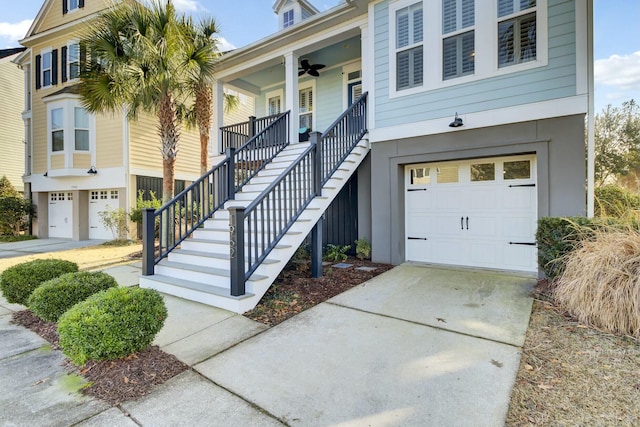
[186, 5]
[621, 71]
[224, 45]
[14, 31]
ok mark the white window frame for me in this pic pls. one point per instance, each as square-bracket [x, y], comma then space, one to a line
[288, 21]
[346, 70]
[43, 53]
[273, 94]
[456, 33]
[486, 45]
[69, 9]
[68, 104]
[393, 51]
[51, 130]
[517, 14]
[76, 128]
[306, 85]
[70, 45]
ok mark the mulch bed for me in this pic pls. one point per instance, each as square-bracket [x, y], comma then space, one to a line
[129, 378]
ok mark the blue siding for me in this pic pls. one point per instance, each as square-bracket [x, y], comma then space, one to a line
[556, 80]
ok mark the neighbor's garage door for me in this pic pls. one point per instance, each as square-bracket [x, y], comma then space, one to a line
[101, 201]
[61, 215]
[479, 213]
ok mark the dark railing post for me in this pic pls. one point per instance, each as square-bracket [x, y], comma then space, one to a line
[231, 173]
[236, 245]
[148, 241]
[316, 249]
[316, 140]
[252, 127]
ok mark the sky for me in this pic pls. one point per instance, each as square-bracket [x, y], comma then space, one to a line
[240, 22]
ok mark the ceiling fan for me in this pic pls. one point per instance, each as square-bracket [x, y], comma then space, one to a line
[312, 70]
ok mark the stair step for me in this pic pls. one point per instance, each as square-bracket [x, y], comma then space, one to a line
[202, 269]
[195, 286]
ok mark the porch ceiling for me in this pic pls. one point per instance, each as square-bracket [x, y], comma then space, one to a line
[268, 74]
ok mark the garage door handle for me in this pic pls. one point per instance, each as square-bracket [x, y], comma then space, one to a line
[416, 238]
[522, 243]
[522, 185]
[461, 223]
[467, 223]
[417, 189]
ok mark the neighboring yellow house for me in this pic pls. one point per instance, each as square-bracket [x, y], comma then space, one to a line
[79, 164]
[11, 128]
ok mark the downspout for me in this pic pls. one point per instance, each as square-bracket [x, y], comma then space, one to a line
[591, 168]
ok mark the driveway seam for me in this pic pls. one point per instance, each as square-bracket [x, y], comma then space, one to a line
[425, 324]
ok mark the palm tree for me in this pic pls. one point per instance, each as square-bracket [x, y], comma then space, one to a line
[201, 55]
[138, 64]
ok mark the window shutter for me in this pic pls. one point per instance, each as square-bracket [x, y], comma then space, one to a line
[54, 67]
[402, 70]
[63, 63]
[83, 57]
[38, 71]
[64, 7]
[417, 25]
[81, 3]
[449, 16]
[402, 30]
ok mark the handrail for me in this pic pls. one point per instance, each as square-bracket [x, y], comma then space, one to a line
[268, 218]
[237, 134]
[182, 215]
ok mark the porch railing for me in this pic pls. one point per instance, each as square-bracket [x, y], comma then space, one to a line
[236, 135]
[257, 229]
[180, 217]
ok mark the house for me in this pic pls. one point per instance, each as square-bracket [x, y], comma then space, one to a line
[11, 129]
[475, 123]
[80, 164]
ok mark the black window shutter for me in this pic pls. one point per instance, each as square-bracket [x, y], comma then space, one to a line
[83, 58]
[38, 71]
[54, 67]
[81, 3]
[64, 7]
[63, 63]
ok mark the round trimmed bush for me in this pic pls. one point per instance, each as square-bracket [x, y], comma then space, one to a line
[18, 282]
[111, 324]
[50, 300]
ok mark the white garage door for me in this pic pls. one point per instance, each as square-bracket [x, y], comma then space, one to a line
[479, 213]
[101, 201]
[61, 215]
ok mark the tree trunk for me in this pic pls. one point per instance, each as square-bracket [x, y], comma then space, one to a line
[204, 102]
[204, 154]
[169, 134]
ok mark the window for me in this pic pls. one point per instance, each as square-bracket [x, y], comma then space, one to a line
[517, 38]
[71, 5]
[306, 108]
[409, 46]
[94, 195]
[519, 169]
[275, 105]
[46, 69]
[483, 172]
[420, 175]
[81, 126]
[73, 61]
[287, 18]
[458, 43]
[447, 174]
[114, 195]
[57, 130]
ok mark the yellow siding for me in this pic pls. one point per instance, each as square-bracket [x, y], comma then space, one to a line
[11, 125]
[145, 147]
[109, 141]
[53, 17]
[82, 161]
[242, 113]
[39, 112]
[57, 161]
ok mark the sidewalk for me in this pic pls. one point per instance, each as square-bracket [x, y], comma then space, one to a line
[413, 346]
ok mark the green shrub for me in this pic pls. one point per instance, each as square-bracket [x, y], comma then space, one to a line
[50, 300]
[136, 213]
[363, 248]
[16, 214]
[18, 282]
[614, 201]
[111, 324]
[336, 253]
[116, 221]
[556, 237]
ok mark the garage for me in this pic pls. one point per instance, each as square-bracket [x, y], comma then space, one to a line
[477, 213]
[61, 215]
[101, 201]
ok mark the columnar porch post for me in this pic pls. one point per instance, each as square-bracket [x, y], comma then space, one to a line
[291, 94]
[218, 119]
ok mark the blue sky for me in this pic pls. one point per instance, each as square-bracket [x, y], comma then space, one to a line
[617, 35]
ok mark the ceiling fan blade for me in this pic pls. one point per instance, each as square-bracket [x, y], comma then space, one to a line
[301, 72]
[318, 66]
[313, 73]
[305, 64]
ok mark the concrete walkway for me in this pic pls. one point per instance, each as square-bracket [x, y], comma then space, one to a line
[414, 346]
[40, 246]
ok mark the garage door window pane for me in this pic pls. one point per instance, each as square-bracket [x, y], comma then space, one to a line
[483, 172]
[447, 174]
[420, 176]
[520, 169]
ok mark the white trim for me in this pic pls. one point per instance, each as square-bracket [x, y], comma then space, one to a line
[68, 105]
[393, 51]
[70, 43]
[106, 178]
[519, 113]
[154, 173]
[43, 52]
[591, 113]
[349, 68]
[368, 66]
[582, 50]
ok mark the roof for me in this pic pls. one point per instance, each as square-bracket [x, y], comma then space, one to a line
[304, 3]
[9, 52]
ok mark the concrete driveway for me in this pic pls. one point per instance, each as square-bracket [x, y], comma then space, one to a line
[40, 246]
[414, 346]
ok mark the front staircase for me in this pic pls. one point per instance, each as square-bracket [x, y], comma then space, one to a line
[259, 210]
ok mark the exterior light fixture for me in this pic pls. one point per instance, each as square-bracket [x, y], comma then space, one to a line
[456, 123]
[92, 170]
